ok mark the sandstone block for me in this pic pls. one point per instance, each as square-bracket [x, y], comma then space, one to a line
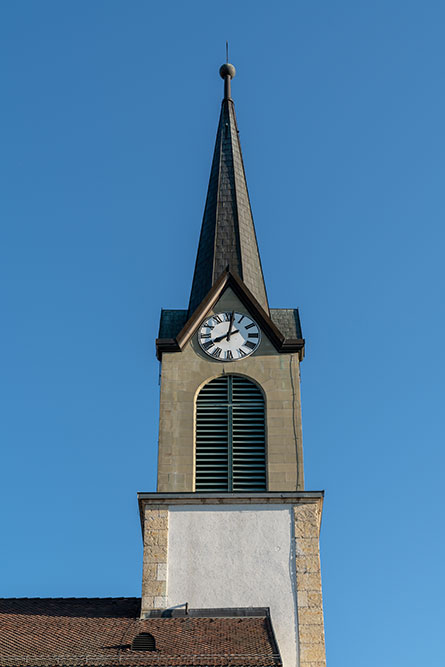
[309, 616]
[148, 602]
[312, 653]
[311, 634]
[307, 564]
[156, 554]
[161, 538]
[302, 599]
[160, 602]
[314, 600]
[154, 588]
[309, 582]
[149, 537]
[306, 546]
[303, 529]
[301, 564]
[161, 571]
[308, 513]
[149, 571]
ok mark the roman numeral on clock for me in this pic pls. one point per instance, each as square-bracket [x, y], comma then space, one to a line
[208, 345]
[216, 353]
[207, 335]
[217, 319]
[249, 326]
[253, 335]
[250, 345]
[229, 355]
[241, 353]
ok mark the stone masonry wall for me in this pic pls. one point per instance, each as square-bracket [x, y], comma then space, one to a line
[306, 528]
[182, 376]
[154, 575]
[309, 598]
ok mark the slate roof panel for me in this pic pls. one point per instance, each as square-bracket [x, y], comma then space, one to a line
[287, 320]
[171, 322]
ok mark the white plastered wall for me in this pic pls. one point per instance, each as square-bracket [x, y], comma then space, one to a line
[236, 557]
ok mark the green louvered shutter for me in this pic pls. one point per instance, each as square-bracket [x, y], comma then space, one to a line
[248, 436]
[230, 436]
[212, 436]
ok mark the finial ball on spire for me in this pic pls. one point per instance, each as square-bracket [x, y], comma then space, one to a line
[227, 70]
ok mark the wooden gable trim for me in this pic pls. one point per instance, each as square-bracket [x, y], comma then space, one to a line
[228, 279]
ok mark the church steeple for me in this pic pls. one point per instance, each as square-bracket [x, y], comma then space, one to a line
[230, 504]
[228, 238]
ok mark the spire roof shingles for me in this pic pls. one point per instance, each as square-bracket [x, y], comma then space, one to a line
[228, 238]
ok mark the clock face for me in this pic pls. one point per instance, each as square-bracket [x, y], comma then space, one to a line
[229, 336]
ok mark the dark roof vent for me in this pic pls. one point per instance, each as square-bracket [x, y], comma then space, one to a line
[144, 641]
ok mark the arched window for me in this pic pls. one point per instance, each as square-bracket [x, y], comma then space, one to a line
[230, 436]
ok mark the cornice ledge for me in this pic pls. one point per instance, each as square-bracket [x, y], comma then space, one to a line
[197, 498]
[155, 500]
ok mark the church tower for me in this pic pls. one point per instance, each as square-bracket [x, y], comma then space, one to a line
[231, 525]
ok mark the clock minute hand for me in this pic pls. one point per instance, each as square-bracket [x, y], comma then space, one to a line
[232, 317]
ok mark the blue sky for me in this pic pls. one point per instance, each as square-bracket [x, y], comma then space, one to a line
[108, 119]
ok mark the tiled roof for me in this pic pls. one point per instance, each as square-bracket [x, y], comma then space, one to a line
[286, 320]
[43, 632]
[228, 236]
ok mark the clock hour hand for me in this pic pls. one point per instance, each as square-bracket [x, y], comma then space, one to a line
[219, 338]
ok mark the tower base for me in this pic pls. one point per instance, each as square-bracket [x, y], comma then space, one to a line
[210, 550]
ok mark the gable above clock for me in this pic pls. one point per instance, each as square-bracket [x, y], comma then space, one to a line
[282, 326]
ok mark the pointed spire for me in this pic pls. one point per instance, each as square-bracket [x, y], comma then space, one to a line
[228, 238]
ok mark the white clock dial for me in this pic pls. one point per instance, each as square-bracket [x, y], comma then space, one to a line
[229, 336]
